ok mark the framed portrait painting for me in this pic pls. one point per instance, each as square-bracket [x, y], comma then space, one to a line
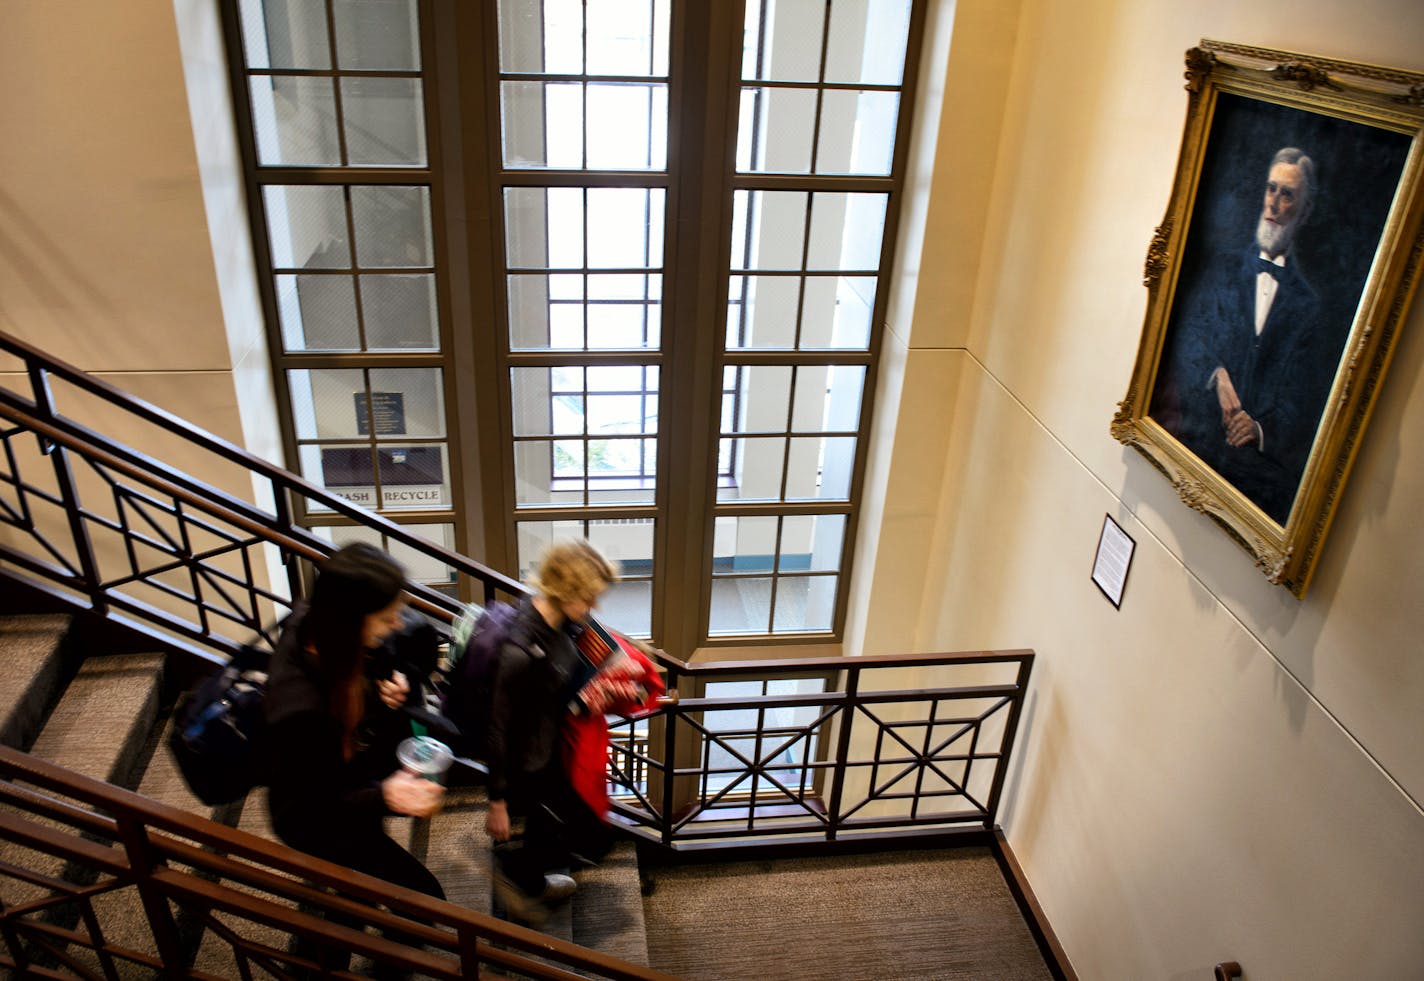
[1278, 282]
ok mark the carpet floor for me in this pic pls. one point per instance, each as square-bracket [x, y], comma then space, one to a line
[894, 916]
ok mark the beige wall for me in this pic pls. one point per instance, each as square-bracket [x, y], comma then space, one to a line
[1217, 771]
[124, 245]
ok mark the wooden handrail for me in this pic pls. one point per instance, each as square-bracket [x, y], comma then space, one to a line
[187, 860]
[963, 753]
[285, 479]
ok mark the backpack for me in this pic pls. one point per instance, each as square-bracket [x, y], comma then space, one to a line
[476, 640]
[217, 727]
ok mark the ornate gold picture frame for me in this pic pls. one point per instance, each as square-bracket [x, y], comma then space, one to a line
[1277, 283]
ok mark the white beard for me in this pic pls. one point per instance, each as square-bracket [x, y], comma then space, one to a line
[1273, 239]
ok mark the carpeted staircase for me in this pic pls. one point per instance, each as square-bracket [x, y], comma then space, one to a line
[888, 917]
[106, 716]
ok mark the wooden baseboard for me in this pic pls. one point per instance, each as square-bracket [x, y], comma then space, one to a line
[1038, 925]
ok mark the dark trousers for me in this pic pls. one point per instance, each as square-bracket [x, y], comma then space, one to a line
[557, 826]
[375, 853]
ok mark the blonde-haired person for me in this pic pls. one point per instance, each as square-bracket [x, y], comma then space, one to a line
[538, 673]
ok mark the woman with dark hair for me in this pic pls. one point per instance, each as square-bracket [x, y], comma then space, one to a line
[331, 739]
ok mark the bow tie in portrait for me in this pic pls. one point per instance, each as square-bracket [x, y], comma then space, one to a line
[1267, 266]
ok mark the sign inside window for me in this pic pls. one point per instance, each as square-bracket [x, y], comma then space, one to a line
[386, 410]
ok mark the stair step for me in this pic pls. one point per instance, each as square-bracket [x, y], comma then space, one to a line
[608, 907]
[104, 718]
[99, 728]
[34, 674]
[215, 954]
[457, 850]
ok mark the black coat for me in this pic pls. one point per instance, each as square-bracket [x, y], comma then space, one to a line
[538, 673]
[315, 793]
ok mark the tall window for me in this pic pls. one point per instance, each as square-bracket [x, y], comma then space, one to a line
[583, 110]
[343, 191]
[819, 110]
[670, 218]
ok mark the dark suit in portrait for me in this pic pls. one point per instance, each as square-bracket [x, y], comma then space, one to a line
[1248, 366]
[1279, 376]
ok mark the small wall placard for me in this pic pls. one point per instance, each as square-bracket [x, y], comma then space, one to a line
[1114, 559]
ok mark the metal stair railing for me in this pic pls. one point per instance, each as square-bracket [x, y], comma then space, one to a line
[868, 757]
[120, 532]
[256, 901]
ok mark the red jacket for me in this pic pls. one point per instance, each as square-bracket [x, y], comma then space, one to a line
[626, 682]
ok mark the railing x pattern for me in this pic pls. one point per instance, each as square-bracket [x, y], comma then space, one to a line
[864, 756]
[913, 745]
[123, 533]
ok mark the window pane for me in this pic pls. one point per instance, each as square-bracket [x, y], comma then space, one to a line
[530, 308]
[295, 121]
[418, 566]
[762, 312]
[775, 130]
[761, 400]
[392, 226]
[740, 606]
[414, 477]
[836, 312]
[625, 286]
[349, 472]
[759, 465]
[628, 604]
[867, 42]
[542, 124]
[769, 229]
[283, 34]
[633, 413]
[377, 35]
[318, 313]
[623, 325]
[541, 36]
[744, 544]
[538, 462]
[616, 458]
[422, 568]
[536, 537]
[846, 230]
[325, 402]
[538, 411]
[820, 468]
[384, 120]
[543, 227]
[399, 312]
[827, 398]
[788, 47]
[627, 37]
[307, 227]
[857, 134]
[627, 127]
[629, 223]
[627, 541]
[811, 542]
[804, 604]
[628, 607]
[577, 472]
[623, 378]
[407, 402]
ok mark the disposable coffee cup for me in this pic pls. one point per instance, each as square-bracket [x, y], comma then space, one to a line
[425, 757]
